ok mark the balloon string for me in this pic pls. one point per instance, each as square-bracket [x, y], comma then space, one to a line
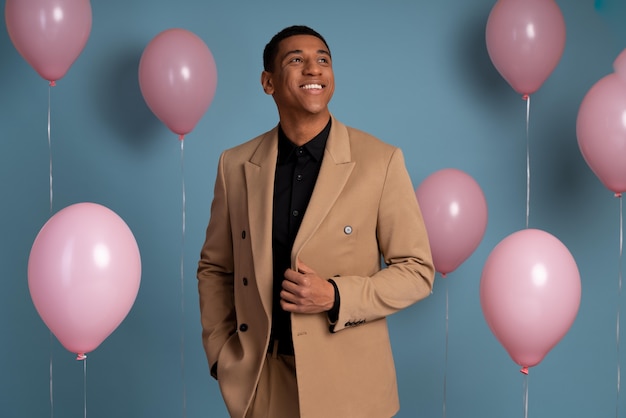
[445, 368]
[50, 180]
[50, 147]
[527, 98]
[84, 360]
[182, 280]
[525, 395]
[619, 293]
[51, 380]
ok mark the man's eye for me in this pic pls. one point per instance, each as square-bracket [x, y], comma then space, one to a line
[296, 59]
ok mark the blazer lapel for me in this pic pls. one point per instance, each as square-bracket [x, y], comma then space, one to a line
[334, 173]
[259, 172]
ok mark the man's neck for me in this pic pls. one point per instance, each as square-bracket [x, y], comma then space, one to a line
[302, 130]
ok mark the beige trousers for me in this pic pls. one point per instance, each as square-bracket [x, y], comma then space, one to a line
[277, 393]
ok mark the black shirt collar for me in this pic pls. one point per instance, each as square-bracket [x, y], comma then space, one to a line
[315, 147]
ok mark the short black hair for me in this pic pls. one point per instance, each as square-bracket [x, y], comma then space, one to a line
[271, 49]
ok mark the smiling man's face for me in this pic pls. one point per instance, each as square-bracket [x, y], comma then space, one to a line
[302, 81]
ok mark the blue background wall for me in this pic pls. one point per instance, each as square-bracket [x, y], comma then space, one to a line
[414, 73]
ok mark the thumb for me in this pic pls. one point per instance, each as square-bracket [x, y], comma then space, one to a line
[303, 268]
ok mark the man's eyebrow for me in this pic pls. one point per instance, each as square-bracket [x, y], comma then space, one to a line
[293, 51]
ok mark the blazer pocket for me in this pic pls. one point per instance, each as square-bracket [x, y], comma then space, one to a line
[229, 354]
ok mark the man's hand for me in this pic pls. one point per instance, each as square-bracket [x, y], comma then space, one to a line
[306, 292]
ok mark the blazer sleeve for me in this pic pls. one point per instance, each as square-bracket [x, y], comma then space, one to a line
[403, 243]
[215, 275]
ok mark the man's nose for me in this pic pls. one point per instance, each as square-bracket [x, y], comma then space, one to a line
[312, 67]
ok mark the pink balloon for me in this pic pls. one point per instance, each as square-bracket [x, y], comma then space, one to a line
[619, 65]
[530, 293]
[601, 127]
[525, 41]
[84, 271]
[455, 213]
[49, 34]
[178, 77]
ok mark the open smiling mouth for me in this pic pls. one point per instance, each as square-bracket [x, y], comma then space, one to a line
[312, 86]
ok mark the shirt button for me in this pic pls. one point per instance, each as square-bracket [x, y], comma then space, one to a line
[295, 213]
[299, 177]
[300, 151]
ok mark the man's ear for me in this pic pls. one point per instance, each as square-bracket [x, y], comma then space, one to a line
[266, 82]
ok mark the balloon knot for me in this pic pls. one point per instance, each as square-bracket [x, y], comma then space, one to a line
[81, 356]
[181, 137]
[443, 275]
[618, 195]
[524, 370]
[52, 83]
[525, 97]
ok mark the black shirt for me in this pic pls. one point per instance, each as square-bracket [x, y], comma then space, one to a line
[297, 169]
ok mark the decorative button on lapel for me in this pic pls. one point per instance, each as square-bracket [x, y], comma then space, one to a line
[347, 229]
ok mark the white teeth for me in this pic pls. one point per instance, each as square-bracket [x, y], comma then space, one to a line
[312, 86]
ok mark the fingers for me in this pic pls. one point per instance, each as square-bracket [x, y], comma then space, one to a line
[302, 277]
[292, 275]
[295, 288]
[303, 291]
[290, 289]
[289, 299]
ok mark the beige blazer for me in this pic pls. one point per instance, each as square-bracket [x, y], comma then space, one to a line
[363, 206]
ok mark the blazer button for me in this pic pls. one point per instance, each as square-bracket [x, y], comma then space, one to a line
[243, 327]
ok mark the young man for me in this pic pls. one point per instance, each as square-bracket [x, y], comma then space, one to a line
[293, 299]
